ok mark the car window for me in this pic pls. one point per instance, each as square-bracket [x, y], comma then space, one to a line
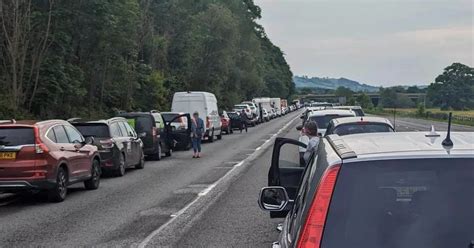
[143, 124]
[402, 203]
[323, 121]
[73, 134]
[61, 136]
[51, 136]
[115, 130]
[355, 128]
[158, 120]
[128, 129]
[15, 136]
[99, 130]
[358, 112]
[123, 129]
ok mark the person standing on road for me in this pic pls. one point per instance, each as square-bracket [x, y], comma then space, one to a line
[244, 118]
[310, 130]
[197, 128]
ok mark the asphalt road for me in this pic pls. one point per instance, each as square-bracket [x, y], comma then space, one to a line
[179, 201]
[125, 211]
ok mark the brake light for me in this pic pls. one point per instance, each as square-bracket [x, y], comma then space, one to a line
[154, 133]
[107, 143]
[40, 147]
[208, 122]
[314, 225]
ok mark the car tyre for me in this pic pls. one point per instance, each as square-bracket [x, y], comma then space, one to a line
[59, 192]
[157, 155]
[120, 171]
[94, 181]
[141, 164]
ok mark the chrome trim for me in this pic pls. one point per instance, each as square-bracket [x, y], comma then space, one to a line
[15, 148]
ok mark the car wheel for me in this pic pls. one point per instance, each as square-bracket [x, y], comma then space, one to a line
[211, 137]
[157, 155]
[94, 181]
[141, 164]
[59, 192]
[120, 171]
[169, 152]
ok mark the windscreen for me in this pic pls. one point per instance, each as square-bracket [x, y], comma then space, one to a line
[16, 136]
[98, 130]
[423, 203]
[358, 112]
[323, 121]
[362, 127]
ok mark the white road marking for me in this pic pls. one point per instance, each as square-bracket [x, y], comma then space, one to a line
[148, 239]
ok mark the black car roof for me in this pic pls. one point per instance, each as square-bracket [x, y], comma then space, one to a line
[103, 121]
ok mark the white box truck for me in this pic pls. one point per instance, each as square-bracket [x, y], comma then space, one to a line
[205, 104]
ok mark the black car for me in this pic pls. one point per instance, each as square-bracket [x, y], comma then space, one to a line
[376, 190]
[235, 120]
[159, 137]
[180, 125]
[118, 144]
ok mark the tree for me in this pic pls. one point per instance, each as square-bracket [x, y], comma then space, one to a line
[364, 101]
[454, 88]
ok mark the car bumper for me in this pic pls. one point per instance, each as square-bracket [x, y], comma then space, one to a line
[22, 185]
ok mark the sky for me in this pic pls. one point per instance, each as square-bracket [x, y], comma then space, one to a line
[378, 42]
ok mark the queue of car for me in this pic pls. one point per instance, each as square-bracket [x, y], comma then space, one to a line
[48, 156]
[368, 186]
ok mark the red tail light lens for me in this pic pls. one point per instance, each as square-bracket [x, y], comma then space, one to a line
[40, 147]
[313, 228]
[107, 144]
[208, 122]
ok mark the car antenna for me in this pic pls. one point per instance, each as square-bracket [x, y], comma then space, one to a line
[394, 118]
[448, 142]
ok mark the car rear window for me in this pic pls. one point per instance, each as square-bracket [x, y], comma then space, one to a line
[362, 127]
[358, 112]
[96, 130]
[402, 203]
[17, 136]
[323, 121]
[141, 123]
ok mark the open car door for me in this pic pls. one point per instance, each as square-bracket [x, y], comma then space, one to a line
[286, 169]
[179, 138]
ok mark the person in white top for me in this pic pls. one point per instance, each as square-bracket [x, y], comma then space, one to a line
[310, 138]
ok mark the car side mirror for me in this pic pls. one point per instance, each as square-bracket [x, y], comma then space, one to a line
[77, 144]
[89, 140]
[142, 135]
[273, 198]
[299, 127]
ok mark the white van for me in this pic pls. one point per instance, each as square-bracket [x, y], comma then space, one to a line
[205, 104]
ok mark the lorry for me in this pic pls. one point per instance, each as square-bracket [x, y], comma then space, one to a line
[205, 104]
[262, 103]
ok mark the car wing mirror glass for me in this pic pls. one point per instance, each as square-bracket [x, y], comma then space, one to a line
[273, 198]
[142, 135]
[77, 144]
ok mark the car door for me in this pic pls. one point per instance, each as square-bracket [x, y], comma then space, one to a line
[84, 162]
[135, 142]
[127, 144]
[67, 151]
[285, 169]
[182, 136]
[163, 133]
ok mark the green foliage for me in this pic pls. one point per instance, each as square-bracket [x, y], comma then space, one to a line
[102, 56]
[364, 101]
[454, 88]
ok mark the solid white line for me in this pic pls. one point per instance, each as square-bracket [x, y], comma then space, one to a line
[147, 240]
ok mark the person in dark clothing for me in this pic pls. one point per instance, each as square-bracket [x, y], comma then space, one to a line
[197, 128]
[244, 119]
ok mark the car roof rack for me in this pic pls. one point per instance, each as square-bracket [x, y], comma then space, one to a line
[341, 148]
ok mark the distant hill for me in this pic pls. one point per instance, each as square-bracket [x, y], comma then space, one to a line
[332, 84]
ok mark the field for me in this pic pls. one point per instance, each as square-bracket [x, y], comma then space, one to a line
[459, 117]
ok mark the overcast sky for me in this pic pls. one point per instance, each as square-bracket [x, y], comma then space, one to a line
[379, 42]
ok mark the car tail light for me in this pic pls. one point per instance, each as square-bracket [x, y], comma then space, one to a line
[208, 122]
[40, 147]
[107, 144]
[154, 133]
[314, 225]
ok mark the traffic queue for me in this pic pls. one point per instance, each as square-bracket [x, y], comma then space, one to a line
[48, 156]
[359, 183]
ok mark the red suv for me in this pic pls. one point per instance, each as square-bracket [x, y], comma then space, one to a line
[46, 156]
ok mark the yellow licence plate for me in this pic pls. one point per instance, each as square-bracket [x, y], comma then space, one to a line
[7, 155]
